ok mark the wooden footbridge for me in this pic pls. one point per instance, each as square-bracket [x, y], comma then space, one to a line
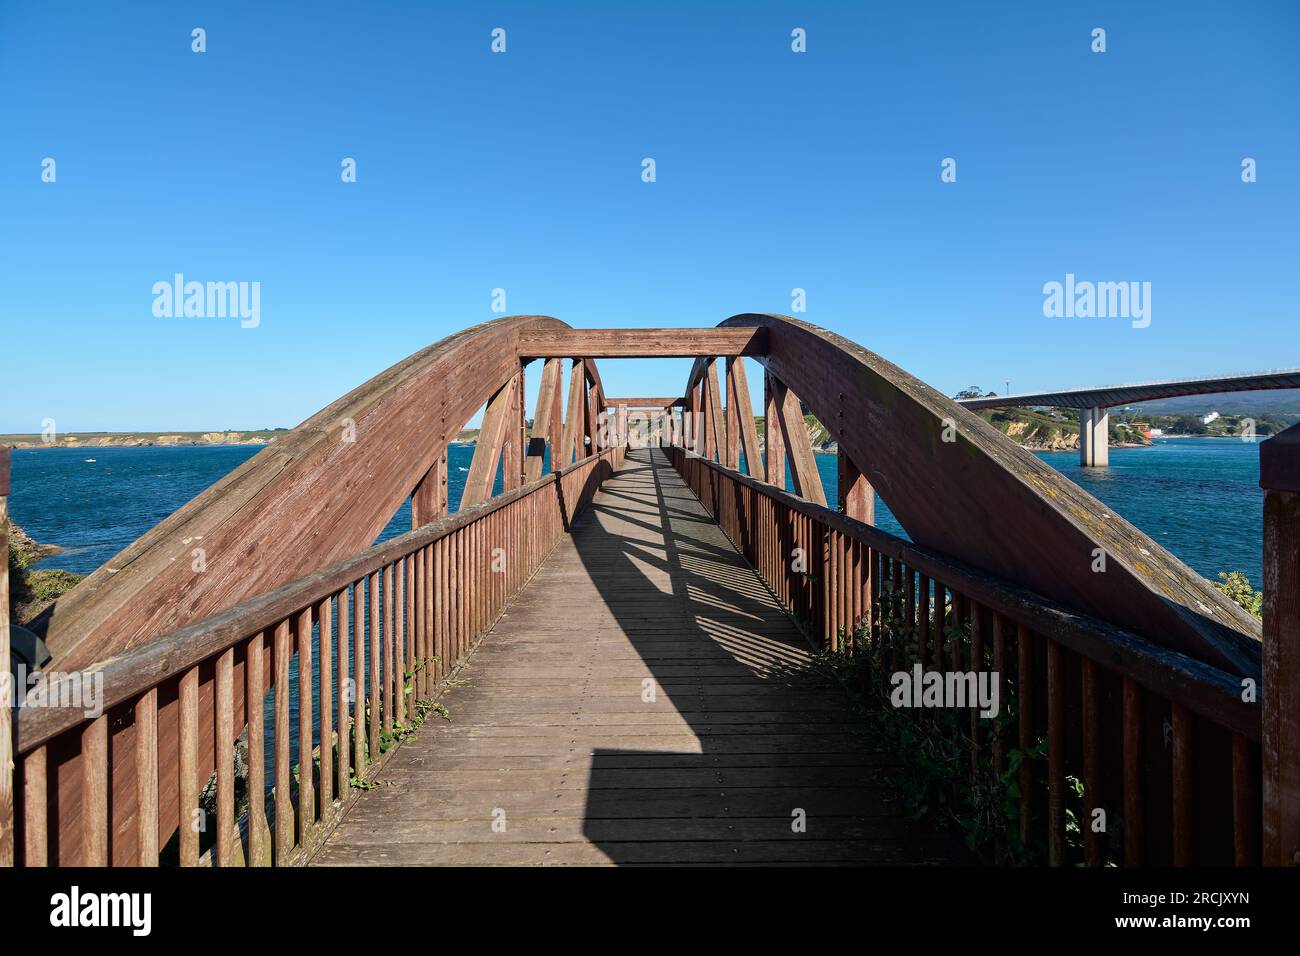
[653, 651]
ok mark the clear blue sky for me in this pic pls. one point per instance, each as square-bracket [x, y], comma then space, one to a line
[523, 171]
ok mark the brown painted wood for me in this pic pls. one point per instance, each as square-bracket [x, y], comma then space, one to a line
[94, 792]
[224, 747]
[1208, 691]
[575, 424]
[512, 451]
[188, 768]
[492, 437]
[36, 833]
[715, 437]
[1025, 720]
[255, 695]
[773, 442]
[325, 615]
[343, 717]
[1245, 804]
[283, 651]
[429, 499]
[1092, 789]
[146, 777]
[546, 419]
[552, 726]
[1134, 832]
[1280, 679]
[950, 494]
[798, 447]
[1184, 808]
[857, 500]
[641, 343]
[306, 786]
[738, 395]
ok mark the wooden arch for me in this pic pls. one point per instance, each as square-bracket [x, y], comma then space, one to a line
[982, 499]
[322, 492]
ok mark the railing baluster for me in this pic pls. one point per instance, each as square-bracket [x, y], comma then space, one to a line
[1245, 804]
[1184, 796]
[325, 613]
[1055, 754]
[94, 792]
[387, 649]
[146, 777]
[359, 679]
[224, 751]
[342, 698]
[372, 722]
[254, 712]
[187, 768]
[1133, 831]
[283, 801]
[36, 835]
[1025, 708]
[1092, 794]
[306, 776]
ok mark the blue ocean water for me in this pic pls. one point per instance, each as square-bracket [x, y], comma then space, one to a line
[1198, 497]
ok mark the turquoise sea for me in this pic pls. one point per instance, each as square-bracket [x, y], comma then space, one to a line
[1198, 497]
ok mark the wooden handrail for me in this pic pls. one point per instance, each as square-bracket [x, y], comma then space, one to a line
[147, 666]
[383, 629]
[1205, 689]
[1176, 729]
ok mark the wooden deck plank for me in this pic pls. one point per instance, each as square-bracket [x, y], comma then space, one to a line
[644, 700]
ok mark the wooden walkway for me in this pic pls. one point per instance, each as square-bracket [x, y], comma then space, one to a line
[644, 700]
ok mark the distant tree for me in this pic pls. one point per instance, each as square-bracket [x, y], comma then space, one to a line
[973, 391]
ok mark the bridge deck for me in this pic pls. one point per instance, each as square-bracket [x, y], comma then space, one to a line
[552, 736]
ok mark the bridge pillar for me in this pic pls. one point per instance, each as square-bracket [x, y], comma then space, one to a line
[1094, 437]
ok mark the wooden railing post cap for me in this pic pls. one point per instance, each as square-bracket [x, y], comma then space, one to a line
[1279, 461]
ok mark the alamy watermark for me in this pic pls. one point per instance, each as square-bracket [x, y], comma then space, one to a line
[210, 300]
[952, 689]
[77, 690]
[1103, 300]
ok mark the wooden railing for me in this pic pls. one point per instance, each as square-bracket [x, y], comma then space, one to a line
[1152, 755]
[365, 643]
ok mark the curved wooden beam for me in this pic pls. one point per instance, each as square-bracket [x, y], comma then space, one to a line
[322, 492]
[960, 486]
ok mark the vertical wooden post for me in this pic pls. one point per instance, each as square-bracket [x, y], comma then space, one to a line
[731, 438]
[546, 420]
[714, 436]
[857, 500]
[8, 692]
[574, 423]
[512, 452]
[429, 499]
[1279, 476]
[773, 442]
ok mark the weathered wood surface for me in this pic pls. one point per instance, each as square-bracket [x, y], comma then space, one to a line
[641, 343]
[553, 736]
[960, 486]
[319, 494]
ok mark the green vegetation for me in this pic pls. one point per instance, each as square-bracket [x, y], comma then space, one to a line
[1236, 585]
[32, 590]
[937, 783]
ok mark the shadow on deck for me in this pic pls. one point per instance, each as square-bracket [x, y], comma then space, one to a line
[644, 700]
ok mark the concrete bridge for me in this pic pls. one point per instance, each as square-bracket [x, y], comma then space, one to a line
[1092, 403]
[655, 654]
